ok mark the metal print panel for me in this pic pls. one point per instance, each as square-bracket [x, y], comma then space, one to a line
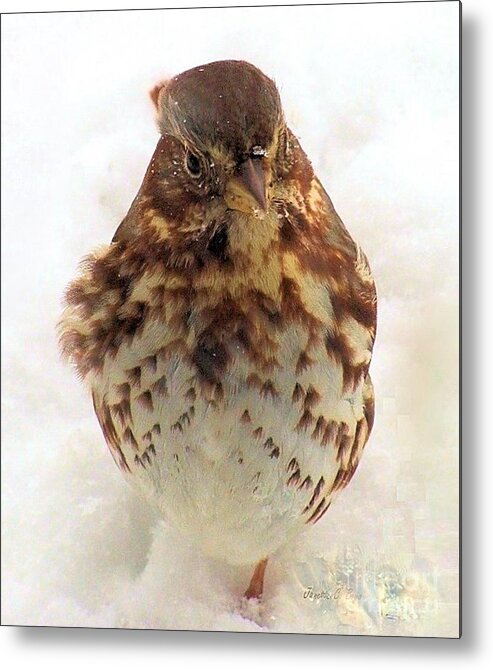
[244, 416]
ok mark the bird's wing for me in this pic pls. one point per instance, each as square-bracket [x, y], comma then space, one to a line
[360, 346]
[110, 432]
[349, 344]
[361, 435]
[91, 324]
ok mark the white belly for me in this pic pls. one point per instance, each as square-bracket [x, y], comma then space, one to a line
[235, 473]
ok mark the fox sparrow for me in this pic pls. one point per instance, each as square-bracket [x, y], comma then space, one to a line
[226, 332]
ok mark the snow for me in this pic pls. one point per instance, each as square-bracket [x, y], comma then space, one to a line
[372, 92]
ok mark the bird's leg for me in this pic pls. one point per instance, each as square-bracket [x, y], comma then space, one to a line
[256, 586]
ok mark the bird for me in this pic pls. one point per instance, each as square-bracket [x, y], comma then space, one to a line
[226, 331]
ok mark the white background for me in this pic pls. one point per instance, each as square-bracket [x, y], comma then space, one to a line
[81, 647]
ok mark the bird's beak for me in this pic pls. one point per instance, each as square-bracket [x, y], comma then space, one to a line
[246, 191]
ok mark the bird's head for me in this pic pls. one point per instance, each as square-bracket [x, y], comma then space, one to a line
[227, 122]
[221, 166]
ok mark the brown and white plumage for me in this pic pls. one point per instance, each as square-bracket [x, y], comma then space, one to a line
[227, 330]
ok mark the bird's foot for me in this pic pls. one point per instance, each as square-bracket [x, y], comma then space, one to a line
[256, 587]
[251, 606]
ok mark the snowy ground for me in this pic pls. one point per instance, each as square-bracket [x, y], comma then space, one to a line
[372, 92]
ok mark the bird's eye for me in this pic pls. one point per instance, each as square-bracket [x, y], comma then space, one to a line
[193, 164]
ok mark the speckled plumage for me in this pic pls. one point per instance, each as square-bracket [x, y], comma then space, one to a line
[226, 332]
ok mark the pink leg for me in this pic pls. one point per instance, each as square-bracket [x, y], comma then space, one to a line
[256, 586]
